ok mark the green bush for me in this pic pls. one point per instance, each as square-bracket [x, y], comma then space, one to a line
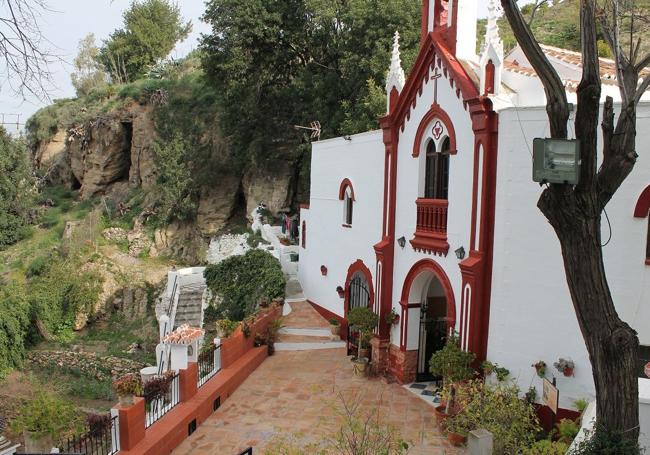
[240, 282]
[47, 414]
[546, 447]
[14, 325]
[567, 430]
[600, 441]
[451, 362]
[512, 421]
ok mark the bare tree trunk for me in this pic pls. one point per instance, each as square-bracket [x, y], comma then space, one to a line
[575, 214]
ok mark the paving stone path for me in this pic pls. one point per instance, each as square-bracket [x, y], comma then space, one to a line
[296, 393]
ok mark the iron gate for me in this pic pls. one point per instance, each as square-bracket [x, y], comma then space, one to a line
[358, 297]
[433, 332]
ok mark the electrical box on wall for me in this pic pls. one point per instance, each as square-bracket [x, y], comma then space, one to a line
[556, 161]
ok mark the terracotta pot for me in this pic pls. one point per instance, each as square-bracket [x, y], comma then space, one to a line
[364, 352]
[126, 400]
[568, 372]
[441, 415]
[456, 439]
[336, 330]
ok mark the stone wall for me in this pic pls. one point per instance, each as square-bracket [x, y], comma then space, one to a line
[90, 364]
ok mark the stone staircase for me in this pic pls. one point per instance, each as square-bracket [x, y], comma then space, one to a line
[190, 306]
[305, 330]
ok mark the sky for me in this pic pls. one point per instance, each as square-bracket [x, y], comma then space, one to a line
[71, 20]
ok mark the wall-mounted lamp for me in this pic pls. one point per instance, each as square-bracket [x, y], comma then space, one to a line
[401, 241]
[460, 253]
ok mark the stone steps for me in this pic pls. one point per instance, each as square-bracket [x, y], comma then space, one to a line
[190, 307]
[309, 346]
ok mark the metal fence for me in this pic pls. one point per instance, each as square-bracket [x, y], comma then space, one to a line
[102, 438]
[159, 404]
[209, 364]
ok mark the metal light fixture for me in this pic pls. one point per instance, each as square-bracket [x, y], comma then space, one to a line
[401, 242]
[460, 253]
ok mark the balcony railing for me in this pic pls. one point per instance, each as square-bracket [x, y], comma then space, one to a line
[432, 216]
[431, 226]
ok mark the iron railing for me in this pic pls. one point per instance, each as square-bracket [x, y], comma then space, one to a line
[101, 438]
[209, 364]
[158, 405]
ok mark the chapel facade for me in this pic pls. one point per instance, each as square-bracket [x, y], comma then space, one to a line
[433, 217]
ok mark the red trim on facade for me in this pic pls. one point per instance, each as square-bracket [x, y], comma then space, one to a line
[435, 112]
[425, 22]
[643, 204]
[344, 184]
[304, 206]
[327, 314]
[358, 266]
[425, 265]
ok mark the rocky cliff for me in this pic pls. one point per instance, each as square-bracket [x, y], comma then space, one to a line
[111, 155]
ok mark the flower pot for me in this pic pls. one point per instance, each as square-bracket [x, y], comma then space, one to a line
[279, 301]
[336, 330]
[126, 400]
[568, 372]
[37, 443]
[456, 439]
[359, 366]
[364, 353]
[441, 414]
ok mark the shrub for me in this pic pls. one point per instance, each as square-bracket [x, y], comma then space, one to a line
[364, 320]
[567, 430]
[546, 447]
[499, 410]
[240, 282]
[47, 414]
[14, 325]
[156, 388]
[600, 441]
[129, 384]
[451, 362]
[226, 327]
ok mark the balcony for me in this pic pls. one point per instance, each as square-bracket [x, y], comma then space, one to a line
[431, 226]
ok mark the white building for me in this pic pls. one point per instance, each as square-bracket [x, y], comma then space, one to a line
[434, 216]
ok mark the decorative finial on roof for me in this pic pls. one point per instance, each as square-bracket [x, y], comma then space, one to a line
[492, 30]
[396, 77]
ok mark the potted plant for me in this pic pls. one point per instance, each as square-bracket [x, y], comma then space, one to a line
[565, 366]
[364, 345]
[363, 320]
[392, 318]
[156, 389]
[46, 420]
[127, 387]
[458, 427]
[335, 327]
[225, 327]
[340, 291]
[540, 367]
[453, 365]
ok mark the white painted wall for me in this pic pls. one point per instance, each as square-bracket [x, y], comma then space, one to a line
[328, 243]
[410, 178]
[532, 317]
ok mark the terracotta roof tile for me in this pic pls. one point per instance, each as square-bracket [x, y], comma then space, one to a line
[184, 335]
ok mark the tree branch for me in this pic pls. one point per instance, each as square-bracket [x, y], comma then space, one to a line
[557, 106]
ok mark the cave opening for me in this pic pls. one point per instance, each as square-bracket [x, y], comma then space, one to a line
[75, 185]
[127, 128]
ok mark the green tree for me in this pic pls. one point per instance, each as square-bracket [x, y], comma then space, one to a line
[88, 74]
[290, 62]
[16, 188]
[150, 31]
[14, 323]
[240, 282]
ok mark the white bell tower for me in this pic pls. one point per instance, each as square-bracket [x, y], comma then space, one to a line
[456, 20]
[491, 62]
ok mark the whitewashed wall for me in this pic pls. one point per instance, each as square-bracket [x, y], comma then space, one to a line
[361, 160]
[410, 178]
[532, 317]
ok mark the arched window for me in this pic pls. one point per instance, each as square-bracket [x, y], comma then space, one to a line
[489, 77]
[348, 207]
[436, 185]
[346, 194]
[642, 210]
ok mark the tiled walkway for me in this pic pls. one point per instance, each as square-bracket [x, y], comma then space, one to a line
[303, 315]
[295, 393]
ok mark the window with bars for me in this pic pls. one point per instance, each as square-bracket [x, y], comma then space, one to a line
[348, 206]
[436, 185]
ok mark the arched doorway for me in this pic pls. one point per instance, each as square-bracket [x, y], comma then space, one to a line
[358, 294]
[431, 313]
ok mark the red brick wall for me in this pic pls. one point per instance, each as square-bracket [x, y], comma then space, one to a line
[402, 364]
[235, 346]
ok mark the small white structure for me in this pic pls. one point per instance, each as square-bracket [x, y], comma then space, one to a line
[183, 346]
[434, 215]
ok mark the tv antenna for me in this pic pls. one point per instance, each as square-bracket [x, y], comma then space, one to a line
[314, 127]
[7, 120]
